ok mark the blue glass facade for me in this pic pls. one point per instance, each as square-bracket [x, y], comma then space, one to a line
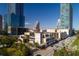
[19, 13]
[66, 16]
[14, 20]
[15, 17]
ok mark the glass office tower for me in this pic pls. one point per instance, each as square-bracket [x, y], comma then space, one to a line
[15, 17]
[66, 16]
[1, 23]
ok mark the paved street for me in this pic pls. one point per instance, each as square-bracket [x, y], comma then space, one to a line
[45, 52]
[50, 50]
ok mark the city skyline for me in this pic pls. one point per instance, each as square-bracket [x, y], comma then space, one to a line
[39, 29]
[47, 14]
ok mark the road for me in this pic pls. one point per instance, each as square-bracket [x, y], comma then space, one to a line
[49, 51]
[45, 52]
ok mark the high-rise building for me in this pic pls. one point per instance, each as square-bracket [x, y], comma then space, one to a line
[66, 16]
[15, 17]
[1, 22]
[18, 10]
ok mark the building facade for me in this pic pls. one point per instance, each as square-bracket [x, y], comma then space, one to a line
[1, 22]
[37, 27]
[66, 16]
[15, 17]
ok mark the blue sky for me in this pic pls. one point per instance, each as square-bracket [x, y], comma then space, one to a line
[47, 14]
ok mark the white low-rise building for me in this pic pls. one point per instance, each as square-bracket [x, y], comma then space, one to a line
[34, 37]
[38, 38]
[59, 33]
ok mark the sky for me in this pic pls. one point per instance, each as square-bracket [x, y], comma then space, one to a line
[47, 14]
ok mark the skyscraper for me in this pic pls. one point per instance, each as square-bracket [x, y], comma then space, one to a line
[66, 16]
[18, 10]
[1, 22]
[15, 17]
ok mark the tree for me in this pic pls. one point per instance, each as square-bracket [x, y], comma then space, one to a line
[3, 51]
[36, 44]
[3, 32]
[63, 52]
[25, 50]
[26, 39]
[14, 52]
[12, 48]
[8, 40]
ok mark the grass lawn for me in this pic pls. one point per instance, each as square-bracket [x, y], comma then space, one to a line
[76, 43]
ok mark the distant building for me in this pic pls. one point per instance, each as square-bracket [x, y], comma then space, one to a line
[14, 18]
[58, 24]
[1, 22]
[66, 16]
[37, 26]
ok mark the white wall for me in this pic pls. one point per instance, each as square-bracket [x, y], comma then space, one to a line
[38, 38]
[59, 31]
